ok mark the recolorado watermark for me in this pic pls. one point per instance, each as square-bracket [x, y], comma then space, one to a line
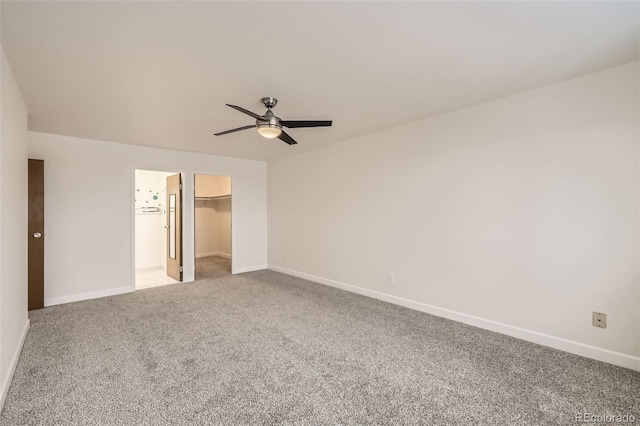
[604, 418]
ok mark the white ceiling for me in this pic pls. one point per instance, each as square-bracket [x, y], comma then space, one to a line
[159, 73]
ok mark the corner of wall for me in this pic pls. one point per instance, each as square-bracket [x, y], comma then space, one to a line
[6, 381]
[14, 322]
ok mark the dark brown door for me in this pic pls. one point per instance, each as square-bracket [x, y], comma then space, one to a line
[174, 227]
[36, 234]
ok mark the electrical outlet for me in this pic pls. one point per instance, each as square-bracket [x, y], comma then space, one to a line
[390, 278]
[599, 320]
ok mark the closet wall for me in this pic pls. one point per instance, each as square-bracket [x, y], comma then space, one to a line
[213, 216]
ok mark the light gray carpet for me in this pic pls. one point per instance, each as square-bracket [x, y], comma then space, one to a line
[212, 267]
[266, 348]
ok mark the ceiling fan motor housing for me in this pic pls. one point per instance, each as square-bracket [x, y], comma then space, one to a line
[270, 120]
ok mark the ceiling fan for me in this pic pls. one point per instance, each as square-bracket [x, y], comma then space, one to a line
[270, 126]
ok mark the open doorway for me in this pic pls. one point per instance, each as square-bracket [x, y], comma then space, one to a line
[212, 219]
[155, 223]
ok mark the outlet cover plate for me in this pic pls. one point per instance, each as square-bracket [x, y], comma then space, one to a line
[599, 320]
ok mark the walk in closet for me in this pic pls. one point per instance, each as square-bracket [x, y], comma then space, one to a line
[213, 216]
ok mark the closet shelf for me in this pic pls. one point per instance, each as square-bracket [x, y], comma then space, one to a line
[217, 197]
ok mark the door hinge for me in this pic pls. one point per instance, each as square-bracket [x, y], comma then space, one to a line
[181, 269]
[180, 187]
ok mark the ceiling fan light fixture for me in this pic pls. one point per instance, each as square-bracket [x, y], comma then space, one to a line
[270, 126]
[268, 131]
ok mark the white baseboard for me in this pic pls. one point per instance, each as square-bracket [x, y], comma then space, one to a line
[214, 253]
[14, 362]
[588, 351]
[86, 296]
[207, 254]
[149, 268]
[249, 269]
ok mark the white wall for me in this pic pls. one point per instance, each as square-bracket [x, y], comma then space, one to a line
[518, 215]
[13, 225]
[89, 211]
[150, 232]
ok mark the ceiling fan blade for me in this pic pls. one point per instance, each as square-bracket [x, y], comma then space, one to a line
[256, 116]
[288, 139]
[306, 123]
[235, 130]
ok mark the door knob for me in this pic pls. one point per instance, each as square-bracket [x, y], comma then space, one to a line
[37, 235]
